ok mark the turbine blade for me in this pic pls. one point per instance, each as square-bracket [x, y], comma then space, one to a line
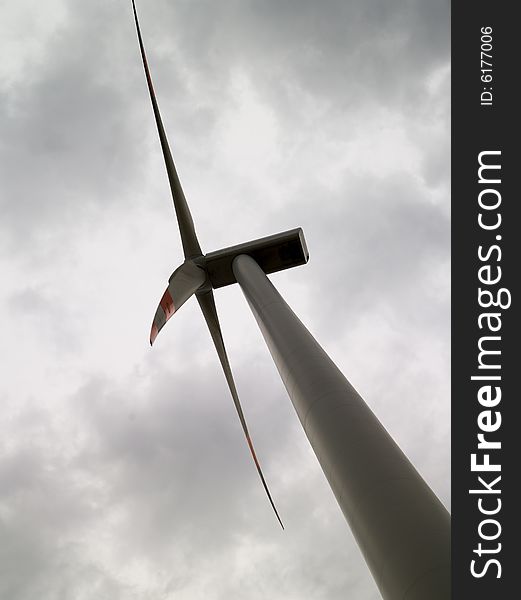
[207, 304]
[191, 247]
[185, 280]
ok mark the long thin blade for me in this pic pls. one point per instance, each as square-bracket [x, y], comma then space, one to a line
[207, 304]
[189, 240]
[183, 283]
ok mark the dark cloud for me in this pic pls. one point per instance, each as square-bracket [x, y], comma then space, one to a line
[347, 53]
[166, 476]
[379, 244]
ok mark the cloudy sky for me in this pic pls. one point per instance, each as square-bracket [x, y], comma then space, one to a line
[123, 469]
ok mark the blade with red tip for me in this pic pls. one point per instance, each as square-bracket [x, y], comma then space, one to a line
[191, 247]
[189, 277]
[183, 283]
[207, 304]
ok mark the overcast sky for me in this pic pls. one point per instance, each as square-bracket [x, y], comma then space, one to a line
[124, 473]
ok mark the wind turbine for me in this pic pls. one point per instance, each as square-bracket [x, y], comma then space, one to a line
[402, 528]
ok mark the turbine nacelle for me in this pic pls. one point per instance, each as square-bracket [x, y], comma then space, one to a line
[272, 253]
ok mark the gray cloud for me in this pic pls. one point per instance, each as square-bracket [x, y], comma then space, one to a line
[123, 470]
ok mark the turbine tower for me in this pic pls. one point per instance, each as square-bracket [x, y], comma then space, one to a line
[401, 527]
